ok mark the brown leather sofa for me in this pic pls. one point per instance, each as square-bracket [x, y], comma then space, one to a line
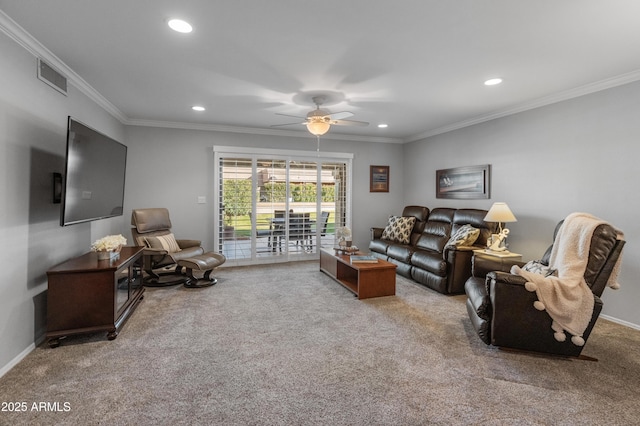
[502, 311]
[426, 259]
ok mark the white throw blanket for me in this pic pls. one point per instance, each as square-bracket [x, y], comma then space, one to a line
[566, 297]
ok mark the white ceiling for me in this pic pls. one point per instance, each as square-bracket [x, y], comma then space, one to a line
[417, 65]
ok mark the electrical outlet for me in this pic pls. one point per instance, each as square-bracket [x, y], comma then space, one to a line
[202, 200]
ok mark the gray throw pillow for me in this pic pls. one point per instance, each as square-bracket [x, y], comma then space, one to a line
[465, 236]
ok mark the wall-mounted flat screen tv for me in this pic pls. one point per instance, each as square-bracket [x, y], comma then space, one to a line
[94, 175]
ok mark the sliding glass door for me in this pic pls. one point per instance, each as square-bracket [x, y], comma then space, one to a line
[277, 206]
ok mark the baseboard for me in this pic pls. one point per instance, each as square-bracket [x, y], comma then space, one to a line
[5, 368]
[621, 322]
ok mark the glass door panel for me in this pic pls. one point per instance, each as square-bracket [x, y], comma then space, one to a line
[270, 205]
[274, 208]
[235, 194]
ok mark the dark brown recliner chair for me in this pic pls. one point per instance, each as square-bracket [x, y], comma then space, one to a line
[502, 310]
[151, 228]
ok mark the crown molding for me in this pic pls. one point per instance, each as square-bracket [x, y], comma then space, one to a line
[536, 103]
[255, 131]
[12, 29]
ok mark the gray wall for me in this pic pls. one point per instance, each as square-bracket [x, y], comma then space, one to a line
[172, 167]
[577, 155]
[33, 120]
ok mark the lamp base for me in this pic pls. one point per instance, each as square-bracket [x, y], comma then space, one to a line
[498, 242]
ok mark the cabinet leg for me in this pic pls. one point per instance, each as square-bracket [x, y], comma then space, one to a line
[54, 343]
[112, 335]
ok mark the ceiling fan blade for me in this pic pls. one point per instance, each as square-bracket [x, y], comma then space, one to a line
[288, 124]
[289, 115]
[349, 123]
[341, 115]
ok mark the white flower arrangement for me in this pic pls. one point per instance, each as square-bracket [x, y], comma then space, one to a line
[343, 233]
[109, 243]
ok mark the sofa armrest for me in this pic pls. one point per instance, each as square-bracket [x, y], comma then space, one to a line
[458, 261]
[376, 233]
[499, 278]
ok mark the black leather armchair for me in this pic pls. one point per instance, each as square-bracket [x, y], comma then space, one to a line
[502, 311]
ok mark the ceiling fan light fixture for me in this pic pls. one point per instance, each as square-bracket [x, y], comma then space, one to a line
[318, 127]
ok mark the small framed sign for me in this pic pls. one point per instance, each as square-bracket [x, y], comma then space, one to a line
[379, 179]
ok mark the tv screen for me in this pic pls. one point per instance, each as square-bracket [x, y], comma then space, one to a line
[94, 175]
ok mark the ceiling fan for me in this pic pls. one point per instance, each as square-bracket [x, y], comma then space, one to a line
[319, 120]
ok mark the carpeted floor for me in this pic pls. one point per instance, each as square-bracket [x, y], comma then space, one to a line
[286, 345]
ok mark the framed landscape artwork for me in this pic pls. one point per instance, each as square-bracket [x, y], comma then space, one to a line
[379, 179]
[464, 182]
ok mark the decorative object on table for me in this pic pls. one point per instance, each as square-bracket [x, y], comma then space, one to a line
[364, 259]
[346, 250]
[470, 182]
[108, 247]
[378, 178]
[344, 237]
[499, 212]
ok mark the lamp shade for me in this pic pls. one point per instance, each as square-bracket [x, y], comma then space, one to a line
[500, 212]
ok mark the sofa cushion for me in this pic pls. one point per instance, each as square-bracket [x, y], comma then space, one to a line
[400, 252]
[420, 213]
[434, 237]
[466, 235]
[429, 261]
[398, 229]
[378, 246]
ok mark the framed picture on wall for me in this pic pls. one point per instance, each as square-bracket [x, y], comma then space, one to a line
[464, 182]
[379, 179]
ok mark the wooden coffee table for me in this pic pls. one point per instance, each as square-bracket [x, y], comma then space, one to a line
[365, 280]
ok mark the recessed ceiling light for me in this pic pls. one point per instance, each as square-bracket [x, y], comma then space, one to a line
[493, 81]
[197, 108]
[383, 126]
[180, 26]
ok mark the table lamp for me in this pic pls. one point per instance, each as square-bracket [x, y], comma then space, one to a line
[499, 212]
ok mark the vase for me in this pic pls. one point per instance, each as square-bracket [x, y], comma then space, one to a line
[109, 254]
[103, 255]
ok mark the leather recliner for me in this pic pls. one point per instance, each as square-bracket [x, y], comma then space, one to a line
[502, 311]
[147, 225]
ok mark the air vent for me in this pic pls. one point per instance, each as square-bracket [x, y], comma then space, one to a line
[52, 77]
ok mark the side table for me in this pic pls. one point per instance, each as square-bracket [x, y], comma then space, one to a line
[498, 256]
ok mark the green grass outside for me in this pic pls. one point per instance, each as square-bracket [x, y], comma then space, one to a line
[242, 224]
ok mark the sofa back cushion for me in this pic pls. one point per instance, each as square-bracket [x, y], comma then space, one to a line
[421, 214]
[437, 230]
[475, 218]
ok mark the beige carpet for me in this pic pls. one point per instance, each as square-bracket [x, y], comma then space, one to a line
[286, 345]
